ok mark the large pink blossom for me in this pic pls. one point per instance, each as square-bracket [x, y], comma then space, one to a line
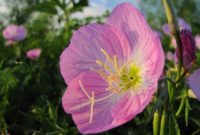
[14, 33]
[111, 69]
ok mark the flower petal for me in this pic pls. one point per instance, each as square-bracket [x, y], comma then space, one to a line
[151, 62]
[130, 21]
[132, 104]
[21, 33]
[194, 81]
[14, 32]
[10, 31]
[85, 48]
[160, 58]
[183, 24]
[76, 102]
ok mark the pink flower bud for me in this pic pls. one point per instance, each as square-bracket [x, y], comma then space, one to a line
[34, 53]
[188, 48]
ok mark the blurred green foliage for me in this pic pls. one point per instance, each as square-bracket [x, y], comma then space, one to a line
[31, 91]
[188, 10]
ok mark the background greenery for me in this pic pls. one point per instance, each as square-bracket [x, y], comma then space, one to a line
[31, 91]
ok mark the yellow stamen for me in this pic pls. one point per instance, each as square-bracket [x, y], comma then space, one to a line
[106, 67]
[115, 63]
[107, 55]
[119, 78]
[101, 73]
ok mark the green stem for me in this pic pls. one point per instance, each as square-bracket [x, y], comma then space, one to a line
[180, 109]
[182, 76]
[171, 88]
[187, 108]
[174, 28]
[17, 50]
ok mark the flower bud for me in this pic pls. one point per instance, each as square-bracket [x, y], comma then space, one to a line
[188, 48]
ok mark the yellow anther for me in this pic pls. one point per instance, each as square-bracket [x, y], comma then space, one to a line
[119, 78]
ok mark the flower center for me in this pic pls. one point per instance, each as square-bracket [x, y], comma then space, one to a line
[130, 78]
[119, 78]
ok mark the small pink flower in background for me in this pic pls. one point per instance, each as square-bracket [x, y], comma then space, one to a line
[182, 25]
[34, 53]
[173, 42]
[197, 40]
[14, 33]
[194, 82]
[166, 29]
[171, 56]
[112, 70]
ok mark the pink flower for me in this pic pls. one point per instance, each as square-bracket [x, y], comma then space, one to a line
[14, 33]
[166, 29]
[197, 40]
[173, 42]
[34, 53]
[171, 56]
[112, 70]
[194, 81]
[182, 25]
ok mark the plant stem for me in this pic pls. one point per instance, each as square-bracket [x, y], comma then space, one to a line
[182, 103]
[182, 76]
[187, 108]
[17, 50]
[174, 28]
